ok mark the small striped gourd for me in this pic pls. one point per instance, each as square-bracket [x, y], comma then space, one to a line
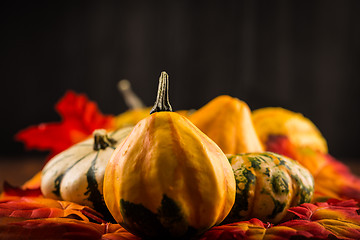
[77, 173]
[267, 184]
[167, 179]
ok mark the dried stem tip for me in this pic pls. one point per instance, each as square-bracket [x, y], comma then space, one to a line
[162, 103]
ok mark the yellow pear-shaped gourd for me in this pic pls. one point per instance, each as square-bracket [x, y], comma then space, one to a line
[227, 121]
[168, 179]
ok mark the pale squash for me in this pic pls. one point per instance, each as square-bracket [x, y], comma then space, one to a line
[77, 173]
[168, 179]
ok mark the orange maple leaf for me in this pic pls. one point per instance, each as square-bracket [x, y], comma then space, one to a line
[53, 228]
[30, 188]
[39, 207]
[32, 218]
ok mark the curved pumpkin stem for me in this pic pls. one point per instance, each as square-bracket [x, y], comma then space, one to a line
[102, 140]
[131, 99]
[162, 103]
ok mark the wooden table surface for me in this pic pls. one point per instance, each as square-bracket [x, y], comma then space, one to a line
[17, 169]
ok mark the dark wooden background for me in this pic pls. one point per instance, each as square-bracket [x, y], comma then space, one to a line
[301, 55]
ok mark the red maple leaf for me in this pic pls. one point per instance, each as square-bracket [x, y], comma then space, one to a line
[52, 228]
[10, 190]
[80, 117]
[39, 218]
[333, 219]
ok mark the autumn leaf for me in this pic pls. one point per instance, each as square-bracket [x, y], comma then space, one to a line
[335, 177]
[119, 234]
[61, 228]
[80, 117]
[323, 220]
[52, 228]
[297, 229]
[9, 190]
[38, 207]
[43, 218]
[30, 188]
[252, 229]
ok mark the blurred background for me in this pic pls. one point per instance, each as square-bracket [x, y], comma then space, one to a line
[300, 55]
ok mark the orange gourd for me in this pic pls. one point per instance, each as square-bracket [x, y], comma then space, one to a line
[276, 121]
[168, 179]
[227, 121]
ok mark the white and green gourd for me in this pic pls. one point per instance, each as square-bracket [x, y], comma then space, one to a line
[77, 173]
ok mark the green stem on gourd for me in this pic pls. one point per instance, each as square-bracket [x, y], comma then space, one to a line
[162, 103]
[102, 140]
